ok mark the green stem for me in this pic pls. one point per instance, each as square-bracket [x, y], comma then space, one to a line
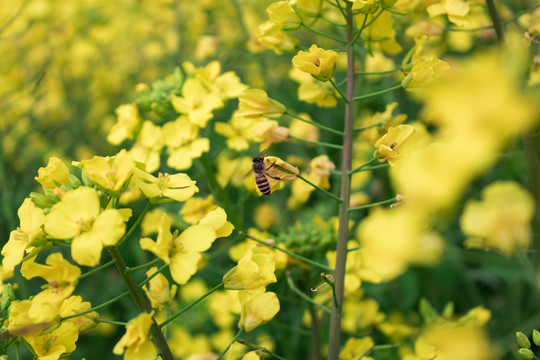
[296, 256]
[217, 287]
[377, 72]
[143, 266]
[365, 25]
[232, 342]
[135, 225]
[382, 166]
[259, 348]
[119, 323]
[99, 268]
[141, 302]
[329, 129]
[334, 338]
[333, 146]
[320, 188]
[367, 127]
[367, 96]
[373, 204]
[95, 308]
[339, 91]
[318, 32]
[304, 296]
[361, 166]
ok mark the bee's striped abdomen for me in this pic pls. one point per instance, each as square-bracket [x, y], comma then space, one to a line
[263, 184]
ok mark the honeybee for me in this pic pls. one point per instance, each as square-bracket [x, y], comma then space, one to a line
[261, 172]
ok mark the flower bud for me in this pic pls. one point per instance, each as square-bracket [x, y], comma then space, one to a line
[8, 295]
[41, 200]
[73, 181]
[536, 337]
[523, 340]
[525, 354]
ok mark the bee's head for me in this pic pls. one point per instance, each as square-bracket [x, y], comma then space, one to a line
[258, 159]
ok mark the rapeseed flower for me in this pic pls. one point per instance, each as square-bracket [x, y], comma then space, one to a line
[456, 10]
[425, 72]
[197, 102]
[158, 290]
[282, 13]
[395, 145]
[54, 174]
[147, 149]
[355, 348]
[254, 270]
[183, 143]
[270, 35]
[136, 343]
[60, 341]
[255, 102]
[312, 90]
[110, 173]
[179, 186]
[320, 63]
[258, 307]
[196, 208]
[77, 217]
[128, 121]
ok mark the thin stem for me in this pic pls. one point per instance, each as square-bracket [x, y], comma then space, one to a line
[135, 225]
[259, 348]
[318, 32]
[119, 323]
[367, 127]
[377, 72]
[333, 146]
[320, 188]
[361, 166]
[343, 97]
[217, 287]
[495, 18]
[382, 166]
[343, 228]
[143, 266]
[95, 308]
[304, 296]
[329, 129]
[232, 342]
[296, 256]
[141, 302]
[147, 280]
[99, 268]
[367, 206]
[367, 96]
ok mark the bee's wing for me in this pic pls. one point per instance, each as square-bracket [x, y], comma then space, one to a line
[249, 172]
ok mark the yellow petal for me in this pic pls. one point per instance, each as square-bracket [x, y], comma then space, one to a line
[183, 266]
[86, 249]
[197, 238]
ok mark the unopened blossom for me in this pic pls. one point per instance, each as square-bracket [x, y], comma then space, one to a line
[320, 63]
[255, 103]
[271, 36]
[158, 290]
[136, 343]
[78, 217]
[424, 72]
[258, 307]
[254, 270]
[31, 219]
[281, 12]
[179, 186]
[54, 174]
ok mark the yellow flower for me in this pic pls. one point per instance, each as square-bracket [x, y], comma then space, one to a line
[110, 172]
[180, 251]
[455, 9]
[501, 220]
[424, 72]
[78, 217]
[20, 323]
[73, 305]
[56, 173]
[127, 122]
[61, 277]
[270, 35]
[148, 146]
[278, 169]
[312, 90]
[380, 35]
[355, 348]
[186, 346]
[217, 220]
[183, 142]
[320, 63]
[197, 102]
[227, 85]
[158, 290]
[282, 13]
[177, 186]
[266, 216]
[395, 145]
[224, 307]
[136, 343]
[257, 308]
[31, 218]
[51, 346]
[318, 173]
[239, 131]
[366, 6]
[254, 270]
[361, 314]
[150, 223]
[252, 355]
[309, 8]
[255, 103]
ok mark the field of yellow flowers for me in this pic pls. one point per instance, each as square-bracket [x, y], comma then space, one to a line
[295, 179]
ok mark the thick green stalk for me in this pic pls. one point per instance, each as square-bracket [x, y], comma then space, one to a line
[141, 302]
[343, 231]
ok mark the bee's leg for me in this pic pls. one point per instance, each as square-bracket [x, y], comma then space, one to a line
[268, 168]
[273, 177]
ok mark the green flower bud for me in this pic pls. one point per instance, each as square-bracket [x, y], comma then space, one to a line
[525, 354]
[144, 102]
[73, 181]
[536, 337]
[523, 340]
[8, 295]
[41, 200]
[160, 109]
[427, 311]
[448, 310]
[5, 357]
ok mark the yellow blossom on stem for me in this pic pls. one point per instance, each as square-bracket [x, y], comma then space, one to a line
[136, 343]
[255, 103]
[304, 130]
[61, 277]
[77, 217]
[110, 172]
[380, 35]
[148, 147]
[239, 131]
[73, 305]
[320, 63]
[270, 35]
[395, 145]
[281, 12]
[54, 174]
[252, 355]
[197, 102]
[181, 251]
[183, 143]
[60, 341]
[217, 220]
[179, 186]
[127, 122]
[158, 290]
[20, 323]
[273, 133]
[31, 218]
[425, 72]
[258, 307]
[456, 10]
[314, 91]
[228, 84]
[501, 220]
[150, 223]
[278, 169]
[355, 348]
[254, 270]
[196, 208]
